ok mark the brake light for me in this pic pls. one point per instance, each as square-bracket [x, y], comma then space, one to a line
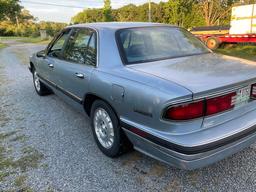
[201, 108]
[220, 104]
[186, 111]
[253, 93]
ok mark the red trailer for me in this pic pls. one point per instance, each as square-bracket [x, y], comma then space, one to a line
[242, 28]
[216, 35]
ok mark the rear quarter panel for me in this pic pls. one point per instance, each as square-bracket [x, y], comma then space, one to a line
[139, 99]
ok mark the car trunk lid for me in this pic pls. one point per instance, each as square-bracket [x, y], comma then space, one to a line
[204, 74]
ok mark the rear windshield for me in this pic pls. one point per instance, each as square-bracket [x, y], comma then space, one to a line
[138, 45]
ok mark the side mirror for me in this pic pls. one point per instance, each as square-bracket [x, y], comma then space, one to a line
[41, 53]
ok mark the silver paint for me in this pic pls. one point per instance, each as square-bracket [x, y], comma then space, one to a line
[151, 87]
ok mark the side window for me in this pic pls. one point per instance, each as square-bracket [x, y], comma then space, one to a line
[92, 50]
[81, 47]
[57, 46]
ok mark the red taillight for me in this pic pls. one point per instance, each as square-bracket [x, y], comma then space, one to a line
[220, 104]
[253, 93]
[186, 111]
[201, 108]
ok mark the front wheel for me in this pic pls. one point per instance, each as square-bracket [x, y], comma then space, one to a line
[106, 130]
[40, 88]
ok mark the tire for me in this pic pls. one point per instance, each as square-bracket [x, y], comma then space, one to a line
[212, 43]
[40, 88]
[107, 133]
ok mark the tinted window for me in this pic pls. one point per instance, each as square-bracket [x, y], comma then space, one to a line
[157, 43]
[58, 45]
[92, 50]
[81, 47]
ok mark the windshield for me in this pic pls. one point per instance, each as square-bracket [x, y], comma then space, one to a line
[138, 45]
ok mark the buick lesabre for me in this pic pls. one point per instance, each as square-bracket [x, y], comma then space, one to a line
[154, 87]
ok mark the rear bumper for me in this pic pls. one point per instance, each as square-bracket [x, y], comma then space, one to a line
[190, 157]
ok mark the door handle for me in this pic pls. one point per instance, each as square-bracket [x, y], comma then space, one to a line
[51, 65]
[80, 75]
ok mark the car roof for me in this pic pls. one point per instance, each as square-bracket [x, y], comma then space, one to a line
[117, 25]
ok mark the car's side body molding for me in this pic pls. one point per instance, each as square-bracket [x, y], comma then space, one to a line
[67, 93]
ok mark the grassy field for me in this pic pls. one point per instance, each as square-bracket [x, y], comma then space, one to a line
[242, 51]
[2, 45]
[33, 40]
[26, 39]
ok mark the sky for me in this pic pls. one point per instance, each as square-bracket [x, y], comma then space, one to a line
[47, 11]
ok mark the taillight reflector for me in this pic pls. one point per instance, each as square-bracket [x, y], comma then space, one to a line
[201, 108]
[220, 104]
[186, 111]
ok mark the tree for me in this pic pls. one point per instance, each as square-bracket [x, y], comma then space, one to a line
[183, 13]
[51, 27]
[158, 12]
[107, 16]
[24, 22]
[215, 10]
[81, 17]
[126, 13]
[88, 16]
[9, 10]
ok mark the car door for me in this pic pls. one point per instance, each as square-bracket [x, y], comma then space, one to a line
[79, 60]
[53, 56]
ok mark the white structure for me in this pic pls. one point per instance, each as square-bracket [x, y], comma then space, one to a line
[243, 19]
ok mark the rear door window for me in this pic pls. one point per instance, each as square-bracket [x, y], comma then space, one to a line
[81, 47]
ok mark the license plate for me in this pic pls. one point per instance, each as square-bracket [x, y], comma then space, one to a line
[242, 96]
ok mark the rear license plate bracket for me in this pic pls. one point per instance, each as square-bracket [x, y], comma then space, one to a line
[242, 96]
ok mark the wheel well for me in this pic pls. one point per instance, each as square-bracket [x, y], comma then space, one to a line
[32, 66]
[88, 101]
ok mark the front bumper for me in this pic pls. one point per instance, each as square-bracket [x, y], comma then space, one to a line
[193, 160]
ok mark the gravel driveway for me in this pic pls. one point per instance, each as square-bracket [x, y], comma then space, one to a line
[45, 145]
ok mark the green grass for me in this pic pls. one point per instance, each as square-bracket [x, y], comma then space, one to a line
[242, 51]
[25, 39]
[20, 180]
[2, 45]
[8, 38]
[32, 40]
[9, 165]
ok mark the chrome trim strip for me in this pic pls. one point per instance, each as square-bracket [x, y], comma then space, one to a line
[68, 93]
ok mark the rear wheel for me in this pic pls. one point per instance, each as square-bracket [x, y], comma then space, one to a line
[106, 130]
[212, 43]
[40, 88]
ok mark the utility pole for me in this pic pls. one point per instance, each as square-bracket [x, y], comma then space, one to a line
[149, 11]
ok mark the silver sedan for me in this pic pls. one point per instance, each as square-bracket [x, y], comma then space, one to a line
[152, 87]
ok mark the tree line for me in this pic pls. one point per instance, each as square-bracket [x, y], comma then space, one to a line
[17, 21]
[184, 13]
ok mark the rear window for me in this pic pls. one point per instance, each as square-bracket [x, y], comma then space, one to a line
[138, 45]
